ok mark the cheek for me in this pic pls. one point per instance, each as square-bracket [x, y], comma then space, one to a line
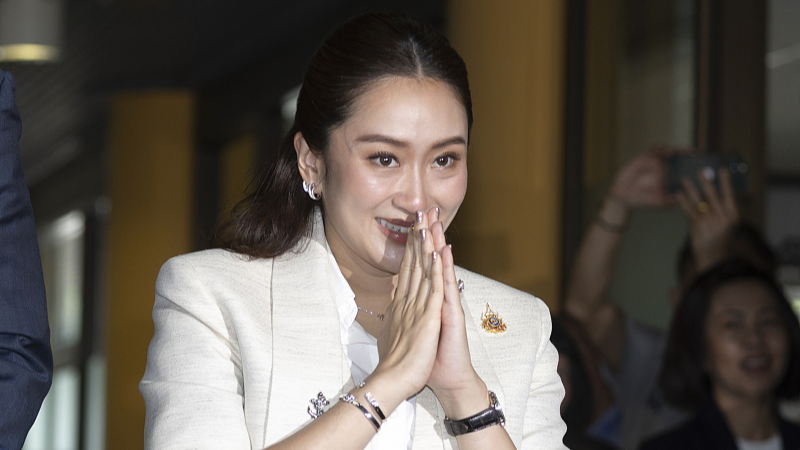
[778, 343]
[450, 195]
[724, 354]
[351, 184]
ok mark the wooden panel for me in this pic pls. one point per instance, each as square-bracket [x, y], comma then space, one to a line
[731, 89]
[604, 30]
[150, 181]
[509, 227]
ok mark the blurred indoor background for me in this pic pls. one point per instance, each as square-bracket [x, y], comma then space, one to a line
[142, 126]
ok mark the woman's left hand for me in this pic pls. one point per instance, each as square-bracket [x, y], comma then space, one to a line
[453, 379]
[713, 216]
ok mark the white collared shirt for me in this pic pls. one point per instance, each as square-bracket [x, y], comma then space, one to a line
[361, 350]
[773, 443]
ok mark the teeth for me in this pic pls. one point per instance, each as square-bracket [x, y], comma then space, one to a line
[395, 228]
[756, 363]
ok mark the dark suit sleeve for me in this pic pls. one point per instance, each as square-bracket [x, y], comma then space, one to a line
[26, 361]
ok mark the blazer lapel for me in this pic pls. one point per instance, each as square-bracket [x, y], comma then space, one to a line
[477, 350]
[307, 349]
[428, 423]
[790, 434]
[716, 434]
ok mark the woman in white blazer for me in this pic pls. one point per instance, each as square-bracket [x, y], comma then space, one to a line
[335, 281]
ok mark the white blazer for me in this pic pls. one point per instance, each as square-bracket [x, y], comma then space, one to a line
[241, 346]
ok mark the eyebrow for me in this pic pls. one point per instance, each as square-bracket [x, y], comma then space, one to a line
[368, 138]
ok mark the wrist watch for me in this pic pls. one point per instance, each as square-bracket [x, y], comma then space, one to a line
[493, 415]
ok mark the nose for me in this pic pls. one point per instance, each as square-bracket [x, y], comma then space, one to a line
[413, 191]
[754, 337]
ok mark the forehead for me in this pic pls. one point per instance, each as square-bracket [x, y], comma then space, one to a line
[745, 296]
[409, 109]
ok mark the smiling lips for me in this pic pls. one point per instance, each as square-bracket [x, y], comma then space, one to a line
[756, 363]
[395, 230]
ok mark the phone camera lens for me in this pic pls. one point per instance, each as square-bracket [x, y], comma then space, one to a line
[734, 167]
[743, 167]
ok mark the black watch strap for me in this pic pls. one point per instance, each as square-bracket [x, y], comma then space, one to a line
[493, 415]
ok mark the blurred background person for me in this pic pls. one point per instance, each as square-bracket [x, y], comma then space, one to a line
[26, 361]
[632, 352]
[733, 350]
[588, 407]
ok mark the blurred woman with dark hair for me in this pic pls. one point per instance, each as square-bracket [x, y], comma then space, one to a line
[334, 280]
[587, 409]
[733, 351]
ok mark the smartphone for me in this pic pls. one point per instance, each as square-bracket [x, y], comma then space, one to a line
[689, 166]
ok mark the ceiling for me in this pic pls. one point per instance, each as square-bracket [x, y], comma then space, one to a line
[115, 45]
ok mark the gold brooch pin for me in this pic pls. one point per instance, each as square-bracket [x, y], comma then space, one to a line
[492, 322]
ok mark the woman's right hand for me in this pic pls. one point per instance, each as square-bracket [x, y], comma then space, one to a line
[640, 182]
[408, 344]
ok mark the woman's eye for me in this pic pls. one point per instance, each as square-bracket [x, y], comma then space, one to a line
[442, 161]
[732, 325]
[385, 160]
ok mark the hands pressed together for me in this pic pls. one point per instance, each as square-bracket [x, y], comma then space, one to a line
[424, 341]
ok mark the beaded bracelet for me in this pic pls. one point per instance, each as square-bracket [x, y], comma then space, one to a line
[352, 400]
[610, 227]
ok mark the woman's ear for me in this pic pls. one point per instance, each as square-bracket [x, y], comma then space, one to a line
[309, 162]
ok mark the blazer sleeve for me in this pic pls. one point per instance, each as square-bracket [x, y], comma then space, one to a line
[26, 361]
[543, 426]
[192, 386]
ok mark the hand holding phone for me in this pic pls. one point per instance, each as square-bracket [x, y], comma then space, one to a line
[712, 212]
[690, 166]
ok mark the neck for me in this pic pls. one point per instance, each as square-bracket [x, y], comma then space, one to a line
[749, 418]
[373, 291]
[373, 287]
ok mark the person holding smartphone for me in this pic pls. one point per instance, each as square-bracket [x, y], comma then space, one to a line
[631, 352]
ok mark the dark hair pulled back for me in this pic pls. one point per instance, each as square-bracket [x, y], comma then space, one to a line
[683, 380]
[276, 213]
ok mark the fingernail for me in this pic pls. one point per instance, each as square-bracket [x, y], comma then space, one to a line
[419, 216]
[450, 245]
[423, 233]
[434, 256]
[437, 213]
